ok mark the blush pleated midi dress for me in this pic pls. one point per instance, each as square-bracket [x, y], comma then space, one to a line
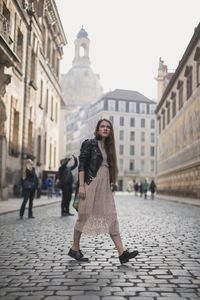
[97, 212]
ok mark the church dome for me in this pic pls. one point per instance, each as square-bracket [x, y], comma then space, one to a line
[80, 85]
[82, 34]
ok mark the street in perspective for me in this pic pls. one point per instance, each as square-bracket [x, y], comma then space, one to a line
[99, 150]
[35, 265]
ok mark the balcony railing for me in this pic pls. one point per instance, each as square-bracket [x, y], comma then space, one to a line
[4, 27]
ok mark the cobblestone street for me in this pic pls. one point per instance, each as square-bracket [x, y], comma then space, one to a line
[35, 265]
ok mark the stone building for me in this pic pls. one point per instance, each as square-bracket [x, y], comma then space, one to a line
[133, 117]
[178, 118]
[31, 42]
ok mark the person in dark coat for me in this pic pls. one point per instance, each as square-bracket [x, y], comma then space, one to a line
[29, 185]
[152, 188]
[65, 184]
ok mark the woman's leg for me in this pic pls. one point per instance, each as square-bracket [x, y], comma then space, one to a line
[76, 240]
[118, 243]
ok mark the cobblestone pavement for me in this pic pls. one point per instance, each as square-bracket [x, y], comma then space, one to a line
[35, 266]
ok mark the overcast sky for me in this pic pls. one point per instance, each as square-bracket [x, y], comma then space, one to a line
[127, 37]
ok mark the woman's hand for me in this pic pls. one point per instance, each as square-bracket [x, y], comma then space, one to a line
[114, 187]
[82, 191]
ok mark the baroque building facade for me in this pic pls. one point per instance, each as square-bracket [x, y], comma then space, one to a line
[31, 43]
[134, 121]
[178, 118]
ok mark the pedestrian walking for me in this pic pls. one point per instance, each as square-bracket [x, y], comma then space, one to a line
[97, 179]
[29, 185]
[136, 187]
[66, 183]
[145, 188]
[141, 189]
[152, 188]
[49, 186]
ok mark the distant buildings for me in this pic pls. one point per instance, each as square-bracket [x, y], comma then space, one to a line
[178, 118]
[80, 85]
[31, 42]
[133, 118]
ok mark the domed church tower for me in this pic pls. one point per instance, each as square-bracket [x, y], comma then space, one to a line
[81, 85]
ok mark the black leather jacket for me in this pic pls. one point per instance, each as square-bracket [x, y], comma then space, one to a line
[90, 159]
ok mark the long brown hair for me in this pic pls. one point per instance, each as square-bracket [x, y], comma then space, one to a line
[110, 150]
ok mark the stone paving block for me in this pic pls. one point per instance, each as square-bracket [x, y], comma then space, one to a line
[85, 297]
[56, 298]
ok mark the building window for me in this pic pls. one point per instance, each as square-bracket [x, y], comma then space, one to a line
[132, 122]
[122, 106]
[152, 109]
[111, 118]
[33, 66]
[159, 125]
[142, 150]
[54, 161]
[132, 107]
[47, 101]
[132, 150]
[52, 104]
[163, 119]
[152, 137]
[132, 135]
[39, 149]
[19, 48]
[41, 93]
[143, 108]
[30, 136]
[49, 49]
[152, 167]
[131, 165]
[173, 97]
[45, 148]
[188, 75]
[168, 113]
[121, 121]
[14, 146]
[142, 123]
[198, 73]
[180, 94]
[121, 149]
[121, 164]
[197, 59]
[152, 123]
[111, 105]
[50, 156]
[142, 136]
[152, 151]
[121, 135]
[142, 165]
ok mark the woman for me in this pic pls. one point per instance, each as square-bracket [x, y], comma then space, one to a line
[97, 176]
[29, 184]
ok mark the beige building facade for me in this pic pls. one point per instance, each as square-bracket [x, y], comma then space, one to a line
[134, 121]
[178, 118]
[31, 43]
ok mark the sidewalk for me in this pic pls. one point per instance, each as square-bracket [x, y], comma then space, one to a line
[13, 204]
[190, 201]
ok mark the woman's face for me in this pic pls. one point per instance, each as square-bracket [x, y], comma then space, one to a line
[104, 129]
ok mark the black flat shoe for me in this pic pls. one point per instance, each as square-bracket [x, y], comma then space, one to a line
[78, 255]
[31, 217]
[69, 214]
[126, 255]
